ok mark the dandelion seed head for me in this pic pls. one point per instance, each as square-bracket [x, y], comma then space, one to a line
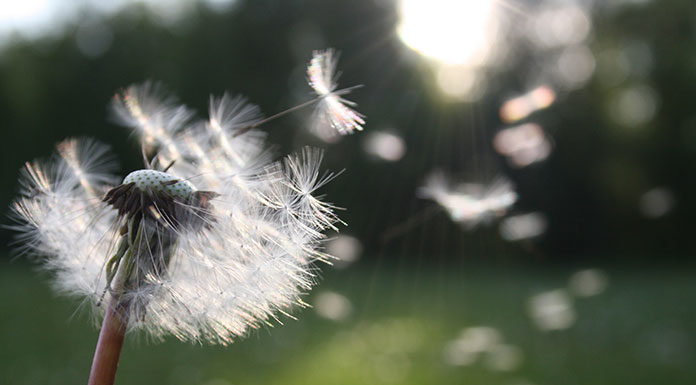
[223, 242]
[160, 181]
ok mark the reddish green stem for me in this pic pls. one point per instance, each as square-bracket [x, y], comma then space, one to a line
[108, 350]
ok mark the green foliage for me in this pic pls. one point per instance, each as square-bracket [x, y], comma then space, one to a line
[639, 331]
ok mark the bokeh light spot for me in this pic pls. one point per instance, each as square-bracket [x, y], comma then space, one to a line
[385, 146]
[656, 202]
[560, 26]
[93, 39]
[525, 226]
[522, 106]
[503, 358]
[346, 248]
[333, 306]
[552, 310]
[522, 145]
[575, 66]
[634, 106]
[588, 282]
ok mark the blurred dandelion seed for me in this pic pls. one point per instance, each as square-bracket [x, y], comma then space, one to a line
[470, 204]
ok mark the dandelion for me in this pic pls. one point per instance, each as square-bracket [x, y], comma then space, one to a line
[333, 109]
[211, 240]
[332, 114]
[470, 204]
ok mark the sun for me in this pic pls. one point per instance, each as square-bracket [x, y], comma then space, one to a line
[455, 32]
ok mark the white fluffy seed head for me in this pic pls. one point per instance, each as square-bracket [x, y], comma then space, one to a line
[157, 181]
[250, 262]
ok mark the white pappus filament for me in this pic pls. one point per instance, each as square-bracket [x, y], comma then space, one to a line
[221, 242]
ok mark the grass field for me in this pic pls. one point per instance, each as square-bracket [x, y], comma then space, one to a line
[640, 330]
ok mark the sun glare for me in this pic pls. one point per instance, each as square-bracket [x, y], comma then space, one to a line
[448, 31]
[27, 14]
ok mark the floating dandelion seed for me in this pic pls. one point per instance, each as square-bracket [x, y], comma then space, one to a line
[470, 204]
[333, 110]
[331, 114]
[214, 240]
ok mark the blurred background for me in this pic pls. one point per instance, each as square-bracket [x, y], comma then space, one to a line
[518, 205]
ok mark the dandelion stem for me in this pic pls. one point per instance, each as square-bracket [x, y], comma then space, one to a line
[108, 351]
[113, 330]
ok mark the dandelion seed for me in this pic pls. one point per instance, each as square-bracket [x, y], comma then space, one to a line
[154, 116]
[331, 114]
[470, 204]
[333, 110]
[221, 243]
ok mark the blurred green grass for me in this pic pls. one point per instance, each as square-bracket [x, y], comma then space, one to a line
[641, 330]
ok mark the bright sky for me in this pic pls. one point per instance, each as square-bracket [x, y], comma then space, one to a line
[36, 18]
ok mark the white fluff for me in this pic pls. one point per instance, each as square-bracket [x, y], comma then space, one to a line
[251, 262]
[333, 111]
[470, 204]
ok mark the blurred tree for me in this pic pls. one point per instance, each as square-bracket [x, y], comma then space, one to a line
[589, 188]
